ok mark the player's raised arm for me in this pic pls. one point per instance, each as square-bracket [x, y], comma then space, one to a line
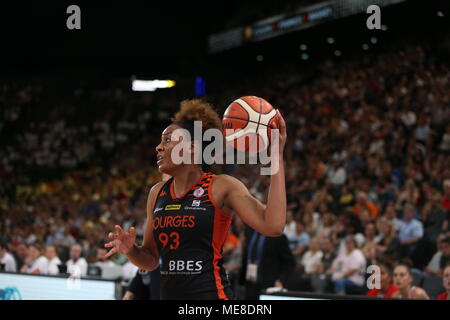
[269, 219]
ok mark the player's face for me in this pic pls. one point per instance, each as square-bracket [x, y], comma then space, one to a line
[402, 278]
[164, 150]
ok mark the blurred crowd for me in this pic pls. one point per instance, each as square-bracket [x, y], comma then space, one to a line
[367, 174]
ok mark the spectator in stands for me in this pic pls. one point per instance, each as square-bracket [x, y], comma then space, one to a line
[35, 262]
[53, 260]
[7, 261]
[20, 254]
[143, 286]
[322, 282]
[444, 146]
[384, 193]
[445, 202]
[388, 243]
[352, 226]
[387, 287]
[408, 195]
[370, 241]
[311, 262]
[445, 258]
[336, 176]
[391, 216]
[290, 227]
[101, 260]
[66, 240]
[309, 223]
[266, 262]
[312, 258]
[328, 256]
[362, 204]
[348, 269]
[446, 283]
[434, 266]
[300, 243]
[403, 280]
[51, 237]
[433, 218]
[411, 231]
[76, 264]
[326, 225]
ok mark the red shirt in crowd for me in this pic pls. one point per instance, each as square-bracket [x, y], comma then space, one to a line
[443, 296]
[445, 202]
[390, 291]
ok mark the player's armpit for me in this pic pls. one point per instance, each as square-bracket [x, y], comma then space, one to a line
[248, 208]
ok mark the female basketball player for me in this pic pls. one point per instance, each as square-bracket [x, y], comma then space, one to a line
[189, 215]
[403, 280]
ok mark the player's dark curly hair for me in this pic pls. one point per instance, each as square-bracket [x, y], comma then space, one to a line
[197, 110]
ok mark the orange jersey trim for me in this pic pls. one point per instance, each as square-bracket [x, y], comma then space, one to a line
[222, 222]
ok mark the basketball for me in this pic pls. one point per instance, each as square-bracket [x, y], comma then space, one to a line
[247, 124]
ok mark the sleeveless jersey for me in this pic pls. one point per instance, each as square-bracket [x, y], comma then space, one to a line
[190, 232]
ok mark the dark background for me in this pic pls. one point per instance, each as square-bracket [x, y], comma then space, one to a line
[158, 38]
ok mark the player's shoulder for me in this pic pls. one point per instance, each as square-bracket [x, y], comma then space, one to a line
[420, 293]
[227, 180]
[225, 184]
[154, 190]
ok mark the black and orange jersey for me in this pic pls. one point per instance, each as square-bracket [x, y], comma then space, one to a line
[190, 232]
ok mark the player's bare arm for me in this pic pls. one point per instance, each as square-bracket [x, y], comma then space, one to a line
[268, 219]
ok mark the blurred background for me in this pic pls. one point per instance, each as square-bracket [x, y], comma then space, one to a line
[368, 133]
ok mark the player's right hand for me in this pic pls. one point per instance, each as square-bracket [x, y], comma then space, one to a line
[122, 242]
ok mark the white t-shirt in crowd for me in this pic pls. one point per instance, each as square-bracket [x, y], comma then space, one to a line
[359, 238]
[9, 262]
[346, 262]
[39, 266]
[129, 270]
[78, 268]
[52, 268]
[434, 264]
[290, 230]
[310, 260]
[337, 176]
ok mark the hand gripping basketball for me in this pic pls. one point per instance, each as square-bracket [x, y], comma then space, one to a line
[280, 124]
[122, 242]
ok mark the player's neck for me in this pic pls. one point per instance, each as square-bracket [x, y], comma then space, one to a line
[405, 291]
[184, 179]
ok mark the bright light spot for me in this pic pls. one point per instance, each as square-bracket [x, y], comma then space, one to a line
[384, 27]
[151, 85]
[440, 13]
[305, 56]
[259, 58]
[303, 47]
[365, 46]
[330, 40]
[373, 40]
[337, 53]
